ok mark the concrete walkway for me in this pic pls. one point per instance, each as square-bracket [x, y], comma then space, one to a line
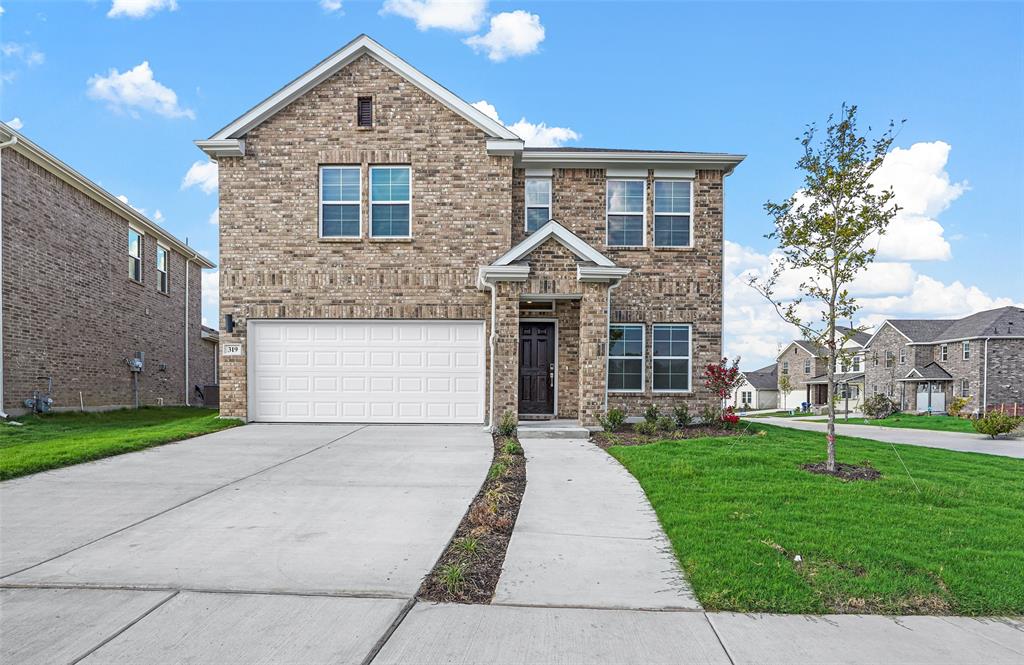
[586, 536]
[962, 442]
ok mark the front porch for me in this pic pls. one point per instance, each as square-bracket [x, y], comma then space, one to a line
[926, 389]
[849, 391]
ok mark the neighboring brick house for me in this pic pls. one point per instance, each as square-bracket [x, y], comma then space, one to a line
[759, 389]
[924, 363]
[88, 282]
[806, 365]
[383, 240]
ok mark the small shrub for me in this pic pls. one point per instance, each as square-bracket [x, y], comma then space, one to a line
[682, 415]
[512, 447]
[652, 413]
[995, 423]
[480, 516]
[879, 406]
[507, 424]
[709, 414]
[612, 420]
[453, 577]
[494, 497]
[729, 418]
[956, 406]
[468, 544]
[498, 470]
[647, 428]
[666, 424]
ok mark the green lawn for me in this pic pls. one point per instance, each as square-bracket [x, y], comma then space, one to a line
[780, 414]
[738, 510]
[55, 440]
[911, 421]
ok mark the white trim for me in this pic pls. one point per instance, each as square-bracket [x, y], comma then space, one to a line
[408, 202]
[675, 174]
[540, 173]
[965, 349]
[643, 358]
[655, 214]
[688, 359]
[944, 353]
[553, 229]
[141, 256]
[222, 148]
[526, 201]
[608, 213]
[554, 401]
[342, 202]
[611, 158]
[625, 173]
[491, 274]
[600, 273]
[339, 59]
[504, 147]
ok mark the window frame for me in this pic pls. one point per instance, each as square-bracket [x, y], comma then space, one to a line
[642, 358]
[903, 356]
[943, 352]
[785, 367]
[965, 388]
[655, 214]
[527, 206]
[339, 202]
[890, 359]
[163, 277]
[807, 365]
[137, 260]
[371, 202]
[687, 358]
[608, 213]
[855, 362]
[965, 349]
[746, 397]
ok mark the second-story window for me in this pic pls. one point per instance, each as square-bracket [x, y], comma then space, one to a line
[626, 212]
[890, 359]
[807, 365]
[163, 280]
[785, 367]
[538, 203]
[944, 352]
[134, 255]
[339, 201]
[856, 363]
[967, 349]
[390, 201]
[903, 356]
[672, 213]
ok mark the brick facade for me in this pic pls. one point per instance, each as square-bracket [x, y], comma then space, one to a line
[467, 210]
[71, 312]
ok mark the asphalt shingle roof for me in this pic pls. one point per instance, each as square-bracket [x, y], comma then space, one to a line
[1002, 322]
[766, 378]
[932, 371]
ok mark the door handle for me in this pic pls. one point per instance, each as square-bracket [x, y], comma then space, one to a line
[551, 375]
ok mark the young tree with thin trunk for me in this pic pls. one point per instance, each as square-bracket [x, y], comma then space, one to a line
[826, 234]
[785, 386]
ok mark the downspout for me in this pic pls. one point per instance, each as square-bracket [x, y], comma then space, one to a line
[491, 342]
[188, 390]
[607, 327]
[984, 381]
[6, 144]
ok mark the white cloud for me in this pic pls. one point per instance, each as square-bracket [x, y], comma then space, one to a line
[139, 8]
[15, 123]
[202, 175]
[25, 53]
[124, 199]
[137, 89]
[211, 288]
[331, 6]
[459, 15]
[533, 134]
[511, 34]
[215, 217]
[158, 216]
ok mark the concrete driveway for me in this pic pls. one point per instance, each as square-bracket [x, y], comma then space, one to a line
[265, 543]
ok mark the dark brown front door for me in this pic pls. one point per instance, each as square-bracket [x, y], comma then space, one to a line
[537, 368]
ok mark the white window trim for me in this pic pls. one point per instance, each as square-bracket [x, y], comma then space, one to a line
[856, 362]
[320, 195]
[943, 352]
[689, 358]
[965, 388]
[785, 367]
[807, 365]
[608, 213]
[965, 348]
[167, 268]
[889, 355]
[527, 206]
[408, 202]
[642, 358]
[903, 356]
[142, 253]
[655, 214]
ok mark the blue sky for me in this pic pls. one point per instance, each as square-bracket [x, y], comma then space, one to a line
[737, 77]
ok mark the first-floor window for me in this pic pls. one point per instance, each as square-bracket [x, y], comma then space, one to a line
[161, 269]
[671, 357]
[339, 201]
[626, 357]
[746, 397]
[134, 254]
[965, 388]
[390, 201]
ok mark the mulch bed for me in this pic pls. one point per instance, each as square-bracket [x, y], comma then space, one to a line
[844, 471]
[626, 436]
[461, 576]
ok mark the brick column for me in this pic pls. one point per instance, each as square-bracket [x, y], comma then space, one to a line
[593, 350]
[506, 350]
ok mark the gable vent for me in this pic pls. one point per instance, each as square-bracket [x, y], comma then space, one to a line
[364, 111]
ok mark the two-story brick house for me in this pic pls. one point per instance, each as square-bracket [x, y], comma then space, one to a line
[87, 284]
[924, 363]
[391, 254]
[805, 364]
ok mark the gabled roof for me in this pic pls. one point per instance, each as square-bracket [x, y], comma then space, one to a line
[859, 337]
[581, 248]
[920, 330]
[849, 377]
[1002, 322]
[932, 371]
[345, 55]
[69, 175]
[766, 378]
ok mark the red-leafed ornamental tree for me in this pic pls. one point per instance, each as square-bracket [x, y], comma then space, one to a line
[723, 379]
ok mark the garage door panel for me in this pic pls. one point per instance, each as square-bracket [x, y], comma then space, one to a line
[367, 371]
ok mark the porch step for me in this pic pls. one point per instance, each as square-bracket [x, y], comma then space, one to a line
[552, 429]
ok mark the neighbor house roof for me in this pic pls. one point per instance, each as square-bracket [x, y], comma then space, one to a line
[858, 336]
[55, 166]
[849, 377]
[226, 141]
[1002, 322]
[766, 378]
[931, 371]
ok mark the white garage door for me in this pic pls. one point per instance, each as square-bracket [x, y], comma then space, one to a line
[366, 371]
